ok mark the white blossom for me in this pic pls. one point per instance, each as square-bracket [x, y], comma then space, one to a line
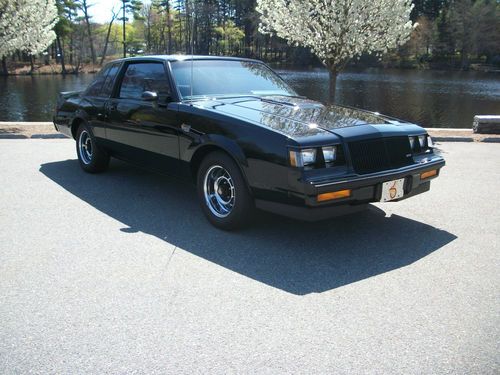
[26, 25]
[338, 30]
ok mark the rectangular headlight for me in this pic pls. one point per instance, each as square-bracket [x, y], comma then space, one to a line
[308, 156]
[303, 157]
[330, 154]
[412, 142]
[422, 141]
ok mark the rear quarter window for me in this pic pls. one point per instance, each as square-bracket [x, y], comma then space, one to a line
[95, 87]
[107, 86]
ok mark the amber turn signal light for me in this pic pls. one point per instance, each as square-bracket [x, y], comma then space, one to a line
[428, 174]
[334, 195]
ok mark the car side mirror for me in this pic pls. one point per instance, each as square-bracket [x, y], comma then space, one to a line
[149, 96]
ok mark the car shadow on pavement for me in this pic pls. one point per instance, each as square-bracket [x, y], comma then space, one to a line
[294, 256]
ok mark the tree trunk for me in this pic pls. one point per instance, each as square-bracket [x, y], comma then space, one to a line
[464, 63]
[333, 73]
[91, 41]
[179, 47]
[71, 49]
[5, 72]
[106, 42]
[61, 52]
[124, 33]
[189, 30]
[169, 29]
[32, 64]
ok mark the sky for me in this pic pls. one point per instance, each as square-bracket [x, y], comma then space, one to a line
[101, 10]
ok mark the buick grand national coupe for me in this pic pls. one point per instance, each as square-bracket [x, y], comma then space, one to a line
[245, 138]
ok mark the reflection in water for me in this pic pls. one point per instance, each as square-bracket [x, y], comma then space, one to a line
[429, 98]
[26, 98]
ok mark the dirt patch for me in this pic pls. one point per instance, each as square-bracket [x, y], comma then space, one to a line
[458, 135]
[35, 130]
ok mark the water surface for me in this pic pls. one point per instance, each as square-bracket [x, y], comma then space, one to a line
[428, 98]
[33, 98]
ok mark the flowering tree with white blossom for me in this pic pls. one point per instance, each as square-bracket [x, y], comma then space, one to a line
[26, 25]
[338, 30]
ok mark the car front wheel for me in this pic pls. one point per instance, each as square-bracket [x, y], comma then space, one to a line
[92, 158]
[223, 193]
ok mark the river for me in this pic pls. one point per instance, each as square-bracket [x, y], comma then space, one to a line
[429, 98]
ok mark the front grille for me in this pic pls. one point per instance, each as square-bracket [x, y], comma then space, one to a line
[375, 155]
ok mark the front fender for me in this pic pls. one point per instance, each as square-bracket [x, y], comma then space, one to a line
[207, 143]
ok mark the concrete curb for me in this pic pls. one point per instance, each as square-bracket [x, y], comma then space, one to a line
[34, 136]
[45, 130]
[27, 130]
[26, 123]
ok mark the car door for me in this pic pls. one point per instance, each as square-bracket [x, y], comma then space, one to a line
[139, 130]
[99, 121]
[94, 104]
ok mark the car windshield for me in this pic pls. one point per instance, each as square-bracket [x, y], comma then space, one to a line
[225, 78]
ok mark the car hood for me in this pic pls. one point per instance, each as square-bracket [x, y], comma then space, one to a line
[299, 117]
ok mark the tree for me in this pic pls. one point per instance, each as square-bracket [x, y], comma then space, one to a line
[229, 35]
[27, 26]
[129, 7]
[66, 10]
[488, 30]
[338, 30]
[428, 8]
[165, 6]
[108, 33]
[422, 37]
[84, 6]
[474, 27]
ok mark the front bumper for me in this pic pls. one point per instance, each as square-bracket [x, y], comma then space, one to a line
[364, 189]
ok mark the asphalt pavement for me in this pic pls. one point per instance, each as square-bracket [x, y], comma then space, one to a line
[121, 273]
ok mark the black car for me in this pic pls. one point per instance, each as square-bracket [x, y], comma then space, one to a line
[245, 138]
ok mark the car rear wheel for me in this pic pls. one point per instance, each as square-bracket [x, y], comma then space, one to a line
[92, 158]
[223, 193]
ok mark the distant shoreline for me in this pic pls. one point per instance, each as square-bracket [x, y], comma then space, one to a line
[53, 69]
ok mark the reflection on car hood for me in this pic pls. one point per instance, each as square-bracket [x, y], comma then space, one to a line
[298, 117]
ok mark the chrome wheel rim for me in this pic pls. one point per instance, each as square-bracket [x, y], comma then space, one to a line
[219, 191]
[85, 147]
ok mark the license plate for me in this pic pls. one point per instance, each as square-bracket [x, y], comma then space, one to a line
[392, 190]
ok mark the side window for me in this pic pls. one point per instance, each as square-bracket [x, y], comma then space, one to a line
[140, 77]
[107, 86]
[95, 87]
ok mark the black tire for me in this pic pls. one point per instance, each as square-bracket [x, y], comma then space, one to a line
[92, 158]
[222, 170]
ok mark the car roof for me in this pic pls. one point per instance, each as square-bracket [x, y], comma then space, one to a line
[185, 58]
